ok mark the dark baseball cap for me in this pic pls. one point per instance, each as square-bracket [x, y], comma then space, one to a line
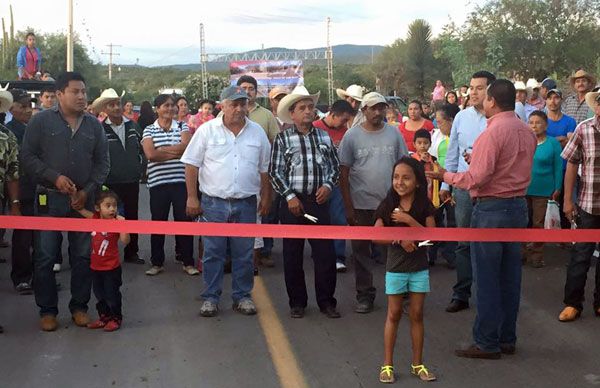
[21, 96]
[554, 91]
[233, 93]
[549, 84]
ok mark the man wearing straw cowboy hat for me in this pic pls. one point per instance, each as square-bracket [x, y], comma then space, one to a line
[583, 149]
[354, 95]
[9, 164]
[125, 161]
[582, 83]
[304, 170]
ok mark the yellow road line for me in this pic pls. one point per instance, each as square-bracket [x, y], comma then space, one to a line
[284, 360]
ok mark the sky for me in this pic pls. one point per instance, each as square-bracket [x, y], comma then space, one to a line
[162, 33]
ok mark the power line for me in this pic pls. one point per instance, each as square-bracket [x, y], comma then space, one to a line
[110, 54]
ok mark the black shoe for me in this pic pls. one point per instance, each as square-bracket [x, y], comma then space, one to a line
[134, 259]
[508, 349]
[331, 312]
[456, 306]
[297, 312]
[255, 271]
[364, 307]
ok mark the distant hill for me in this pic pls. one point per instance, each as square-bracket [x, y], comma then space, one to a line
[343, 53]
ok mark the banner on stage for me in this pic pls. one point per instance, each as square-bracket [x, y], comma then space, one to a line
[269, 74]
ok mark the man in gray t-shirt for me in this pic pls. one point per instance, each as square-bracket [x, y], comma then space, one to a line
[367, 156]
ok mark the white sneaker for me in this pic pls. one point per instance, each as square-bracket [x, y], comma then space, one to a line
[596, 253]
[245, 306]
[340, 267]
[56, 268]
[190, 270]
[154, 270]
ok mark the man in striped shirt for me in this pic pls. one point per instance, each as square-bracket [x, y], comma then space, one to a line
[304, 170]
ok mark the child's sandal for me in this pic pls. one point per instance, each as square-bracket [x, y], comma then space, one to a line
[386, 375]
[421, 372]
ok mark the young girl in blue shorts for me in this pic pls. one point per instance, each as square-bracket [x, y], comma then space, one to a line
[407, 270]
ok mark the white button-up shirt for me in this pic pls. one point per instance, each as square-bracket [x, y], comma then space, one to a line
[229, 166]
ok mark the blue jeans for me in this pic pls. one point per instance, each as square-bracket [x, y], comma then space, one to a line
[47, 248]
[337, 216]
[497, 267]
[272, 219]
[242, 248]
[464, 272]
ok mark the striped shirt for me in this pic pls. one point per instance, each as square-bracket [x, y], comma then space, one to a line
[301, 164]
[170, 171]
[584, 149]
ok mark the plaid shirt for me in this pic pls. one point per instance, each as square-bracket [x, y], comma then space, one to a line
[301, 164]
[584, 149]
[578, 110]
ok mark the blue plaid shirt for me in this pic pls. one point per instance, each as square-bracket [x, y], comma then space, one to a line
[301, 164]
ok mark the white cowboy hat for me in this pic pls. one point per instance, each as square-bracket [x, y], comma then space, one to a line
[6, 99]
[299, 93]
[533, 84]
[106, 96]
[354, 91]
[520, 85]
[592, 99]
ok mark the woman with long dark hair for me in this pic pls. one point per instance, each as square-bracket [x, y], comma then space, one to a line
[415, 122]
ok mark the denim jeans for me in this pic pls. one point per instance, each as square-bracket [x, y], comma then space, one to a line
[162, 197]
[47, 248]
[580, 264]
[242, 266]
[272, 219]
[497, 267]
[107, 290]
[337, 215]
[464, 272]
[322, 254]
[444, 219]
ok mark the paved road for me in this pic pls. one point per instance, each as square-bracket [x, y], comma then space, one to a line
[164, 343]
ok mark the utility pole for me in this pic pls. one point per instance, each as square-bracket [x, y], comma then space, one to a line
[329, 63]
[110, 54]
[203, 60]
[70, 35]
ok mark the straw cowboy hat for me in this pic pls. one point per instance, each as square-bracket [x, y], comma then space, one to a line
[354, 91]
[6, 99]
[520, 85]
[106, 96]
[593, 100]
[299, 93]
[583, 74]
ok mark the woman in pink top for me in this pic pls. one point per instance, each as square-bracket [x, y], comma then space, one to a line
[205, 108]
[413, 124]
[439, 91]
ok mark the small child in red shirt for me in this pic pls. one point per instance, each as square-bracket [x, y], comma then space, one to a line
[106, 264]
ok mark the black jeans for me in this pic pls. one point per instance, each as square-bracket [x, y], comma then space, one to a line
[22, 246]
[579, 265]
[107, 289]
[363, 262]
[129, 195]
[162, 197]
[323, 256]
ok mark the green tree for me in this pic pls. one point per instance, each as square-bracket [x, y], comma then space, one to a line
[419, 58]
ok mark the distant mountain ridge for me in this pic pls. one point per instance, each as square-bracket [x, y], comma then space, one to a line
[343, 53]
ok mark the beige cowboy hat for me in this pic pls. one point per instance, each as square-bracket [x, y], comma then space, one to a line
[520, 85]
[6, 99]
[583, 74]
[106, 96]
[532, 83]
[593, 100]
[299, 93]
[354, 91]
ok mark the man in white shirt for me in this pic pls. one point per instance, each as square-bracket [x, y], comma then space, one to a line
[228, 158]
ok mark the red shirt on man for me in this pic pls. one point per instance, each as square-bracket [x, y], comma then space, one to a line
[336, 134]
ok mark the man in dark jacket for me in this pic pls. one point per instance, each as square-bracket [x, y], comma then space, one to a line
[125, 161]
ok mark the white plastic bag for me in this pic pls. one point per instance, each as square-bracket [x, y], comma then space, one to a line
[552, 220]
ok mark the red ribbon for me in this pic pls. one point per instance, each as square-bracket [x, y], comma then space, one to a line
[299, 231]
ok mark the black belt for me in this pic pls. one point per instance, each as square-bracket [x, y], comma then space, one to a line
[484, 199]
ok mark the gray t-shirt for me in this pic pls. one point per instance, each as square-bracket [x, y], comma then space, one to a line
[371, 155]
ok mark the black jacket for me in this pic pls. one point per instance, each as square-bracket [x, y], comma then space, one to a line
[125, 162]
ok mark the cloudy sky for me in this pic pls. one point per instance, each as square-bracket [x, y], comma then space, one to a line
[168, 32]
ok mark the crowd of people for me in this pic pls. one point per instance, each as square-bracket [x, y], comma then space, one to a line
[492, 154]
